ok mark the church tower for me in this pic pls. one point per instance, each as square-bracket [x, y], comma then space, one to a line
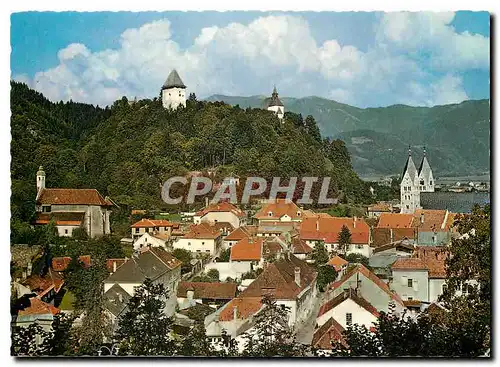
[40, 180]
[425, 177]
[410, 190]
[276, 105]
[173, 91]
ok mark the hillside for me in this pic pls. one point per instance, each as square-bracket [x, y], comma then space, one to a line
[456, 136]
[128, 150]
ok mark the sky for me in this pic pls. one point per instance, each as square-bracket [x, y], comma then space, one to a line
[365, 59]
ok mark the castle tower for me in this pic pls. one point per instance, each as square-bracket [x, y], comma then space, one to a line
[425, 177]
[40, 180]
[173, 91]
[410, 191]
[276, 105]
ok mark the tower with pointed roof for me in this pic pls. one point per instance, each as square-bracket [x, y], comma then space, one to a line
[425, 177]
[276, 105]
[173, 91]
[410, 190]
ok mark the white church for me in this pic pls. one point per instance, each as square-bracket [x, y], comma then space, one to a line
[414, 182]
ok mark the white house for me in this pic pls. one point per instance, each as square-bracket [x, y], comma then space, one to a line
[201, 238]
[239, 234]
[173, 91]
[221, 212]
[161, 227]
[280, 210]
[152, 240]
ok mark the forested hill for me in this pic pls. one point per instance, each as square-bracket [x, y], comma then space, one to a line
[127, 150]
[457, 136]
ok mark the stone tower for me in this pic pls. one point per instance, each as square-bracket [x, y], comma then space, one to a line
[173, 91]
[410, 190]
[40, 180]
[276, 105]
[425, 177]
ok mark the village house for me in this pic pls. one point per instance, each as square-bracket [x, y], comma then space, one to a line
[434, 227]
[323, 337]
[160, 227]
[221, 212]
[201, 238]
[60, 264]
[300, 248]
[248, 250]
[71, 209]
[375, 210]
[348, 308]
[327, 229]
[369, 287]
[153, 239]
[154, 263]
[276, 228]
[113, 264]
[38, 312]
[46, 286]
[280, 210]
[116, 304]
[339, 264]
[239, 234]
[213, 294]
[384, 256]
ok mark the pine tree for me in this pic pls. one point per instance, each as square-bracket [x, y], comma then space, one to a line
[319, 254]
[344, 238]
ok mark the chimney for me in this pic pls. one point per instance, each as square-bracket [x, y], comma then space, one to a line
[250, 239]
[354, 222]
[297, 276]
[30, 267]
[114, 266]
[392, 235]
[190, 294]
[317, 224]
[235, 313]
[422, 218]
[120, 297]
[206, 201]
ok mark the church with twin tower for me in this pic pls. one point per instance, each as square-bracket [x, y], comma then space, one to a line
[414, 182]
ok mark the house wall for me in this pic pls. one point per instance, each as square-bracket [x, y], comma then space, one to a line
[148, 240]
[435, 288]
[65, 231]
[364, 249]
[433, 238]
[198, 245]
[360, 315]
[173, 97]
[228, 244]
[420, 289]
[229, 269]
[215, 217]
[277, 109]
[127, 287]
[138, 232]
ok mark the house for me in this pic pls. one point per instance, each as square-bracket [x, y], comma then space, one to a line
[369, 286]
[382, 237]
[46, 287]
[116, 303]
[330, 331]
[384, 256]
[38, 312]
[239, 234]
[348, 308]
[248, 250]
[154, 263]
[300, 248]
[421, 277]
[395, 220]
[213, 294]
[71, 209]
[290, 281]
[276, 228]
[113, 264]
[158, 226]
[375, 210]
[279, 210]
[434, 227]
[339, 264]
[327, 229]
[201, 238]
[221, 212]
[153, 239]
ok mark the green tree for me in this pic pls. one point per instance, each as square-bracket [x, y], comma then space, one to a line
[326, 275]
[185, 257]
[213, 274]
[30, 341]
[344, 238]
[319, 254]
[144, 330]
[312, 128]
[354, 258]
[225, 255]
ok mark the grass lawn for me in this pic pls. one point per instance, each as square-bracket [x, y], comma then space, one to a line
[67, 301]
[174, 217]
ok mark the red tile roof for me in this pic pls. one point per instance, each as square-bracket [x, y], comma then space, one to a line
[432, 259]
[208, 290]
[150, 223]
[432, 220]
[61, 219]
[328, 229]
[380, 207]
[221, 207]
[241, 232]
[72, 197]
[247, 249]
[328, 332]
[300, 246]
[350, 294]
[202, 231]
[395, 220]
[245, 307]
[110, 262]
[42, 285]
[61, 263]
[409, 264]
[38, 307]
[278, 209]
[337, 262]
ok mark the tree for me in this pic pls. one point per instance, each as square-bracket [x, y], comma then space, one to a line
[144, 330]
[312, 128]
[326, 275]
[271, 335]
[225, 255]
[344, 238]
[185, 257]
[213, 274]
[319, 254]
[355, 258]
[29, 341]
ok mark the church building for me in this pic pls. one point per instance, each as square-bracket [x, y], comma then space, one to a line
[173, 91]
[414, 182]
[276, 105]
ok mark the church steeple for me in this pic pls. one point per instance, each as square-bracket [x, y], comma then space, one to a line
[425, 176]
[276, 105]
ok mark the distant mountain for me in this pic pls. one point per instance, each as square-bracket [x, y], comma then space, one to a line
[457, 136]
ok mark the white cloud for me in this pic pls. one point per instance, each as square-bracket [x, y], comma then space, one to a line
[248, 59]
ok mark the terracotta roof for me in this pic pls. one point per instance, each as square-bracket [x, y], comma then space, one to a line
[208, 290]
[149, 223]
[435, 259]
[110, 262]
[202, 231]
[328, 332]
[278, 279]
[72, 197]
[432, 220]
[300, 246]
[38, 307]
[61, 218]
[241, 232]
[221, 207]
[42, 285]
[380, 207]
[395, 220]
[328, 229]
[337, 262]
[350, 294]
[221, 226]
[409, 263]
[368, 274]
[61, 263]
[246, 307]
[278, 209]
[412, 303]
[247, 249]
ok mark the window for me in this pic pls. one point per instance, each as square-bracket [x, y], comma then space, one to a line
[137, 230]
[189, 243]
[410, 283]
[407, 207]
[46, 208]
[203, 243]
[410, 298]
[444, 288]
[430, 182]
[207, 250]
[348, 318]
[65, 231]
[270, 214]
[198, 250]
[360, 247]
[165, 228]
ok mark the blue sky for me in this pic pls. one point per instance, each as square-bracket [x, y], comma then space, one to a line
[361, 58]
